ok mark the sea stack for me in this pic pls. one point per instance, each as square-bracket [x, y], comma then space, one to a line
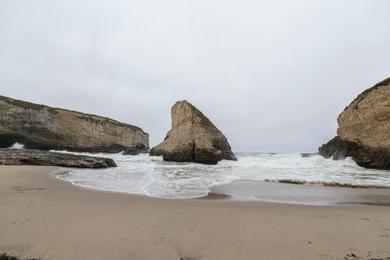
[193, 138]
[45, 128]
[364, 129]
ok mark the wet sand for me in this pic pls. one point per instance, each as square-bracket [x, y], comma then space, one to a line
[301, 193]
[43, 217]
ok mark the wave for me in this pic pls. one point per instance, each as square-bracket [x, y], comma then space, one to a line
[151, 176]
[17, 146]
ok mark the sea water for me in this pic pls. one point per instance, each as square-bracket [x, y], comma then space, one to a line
[151, 176]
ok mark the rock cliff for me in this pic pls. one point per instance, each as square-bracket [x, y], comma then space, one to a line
[364, 129]
[37, 157]
[42, 127]
[193, 138]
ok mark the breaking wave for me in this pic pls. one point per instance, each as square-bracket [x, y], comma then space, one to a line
[151, 176]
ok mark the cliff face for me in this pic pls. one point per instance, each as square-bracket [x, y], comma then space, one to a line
[193, 138]
[364, 129]
[43, 127]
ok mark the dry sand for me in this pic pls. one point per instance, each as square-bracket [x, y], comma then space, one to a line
[46, 218]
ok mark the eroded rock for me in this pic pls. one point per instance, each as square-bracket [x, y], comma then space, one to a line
[193, 138]
[364, 129]
[46, 128]
[46, 158]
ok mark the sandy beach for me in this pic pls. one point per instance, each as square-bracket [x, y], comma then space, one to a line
[45, 218]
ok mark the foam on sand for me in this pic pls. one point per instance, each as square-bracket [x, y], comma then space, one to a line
[151, 176]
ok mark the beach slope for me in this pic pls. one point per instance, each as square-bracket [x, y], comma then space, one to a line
[43, 217]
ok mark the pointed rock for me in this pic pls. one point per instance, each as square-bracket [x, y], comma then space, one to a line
[193, 138]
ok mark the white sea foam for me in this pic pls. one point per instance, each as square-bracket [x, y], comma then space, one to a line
[154, 177]
[17, 146]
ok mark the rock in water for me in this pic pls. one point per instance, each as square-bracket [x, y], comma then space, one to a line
[37, 157]
[137, 149]
[364, 129]
[193, 138]
[46, 128]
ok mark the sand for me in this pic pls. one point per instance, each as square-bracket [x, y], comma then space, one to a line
[46, 218]
[302, 194]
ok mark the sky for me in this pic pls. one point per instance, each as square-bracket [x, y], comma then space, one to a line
[272, 75]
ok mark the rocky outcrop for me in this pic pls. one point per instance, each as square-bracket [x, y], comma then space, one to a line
[364, 129]
[38, 157]
[44, 128]
[137, 149]
[193, 138]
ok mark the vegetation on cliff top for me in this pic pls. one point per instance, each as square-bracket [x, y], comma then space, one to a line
[26, 105]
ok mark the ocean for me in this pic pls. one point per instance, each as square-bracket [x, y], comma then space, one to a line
[151, 176]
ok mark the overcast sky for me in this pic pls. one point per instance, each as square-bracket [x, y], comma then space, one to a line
[272, 75]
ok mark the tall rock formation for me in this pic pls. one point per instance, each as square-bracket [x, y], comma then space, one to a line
[193, 138]
[364, 129]
[42, 127]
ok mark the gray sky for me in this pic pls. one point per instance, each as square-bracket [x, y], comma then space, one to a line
[272, 75]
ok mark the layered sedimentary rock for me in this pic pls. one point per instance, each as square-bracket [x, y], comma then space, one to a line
[364, 129]
[42, 127]
[193, 138]
[38, 157]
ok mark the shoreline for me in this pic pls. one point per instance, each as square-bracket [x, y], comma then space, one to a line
[47, 218]
[303, 194]
[315, 194]
[61, 171]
